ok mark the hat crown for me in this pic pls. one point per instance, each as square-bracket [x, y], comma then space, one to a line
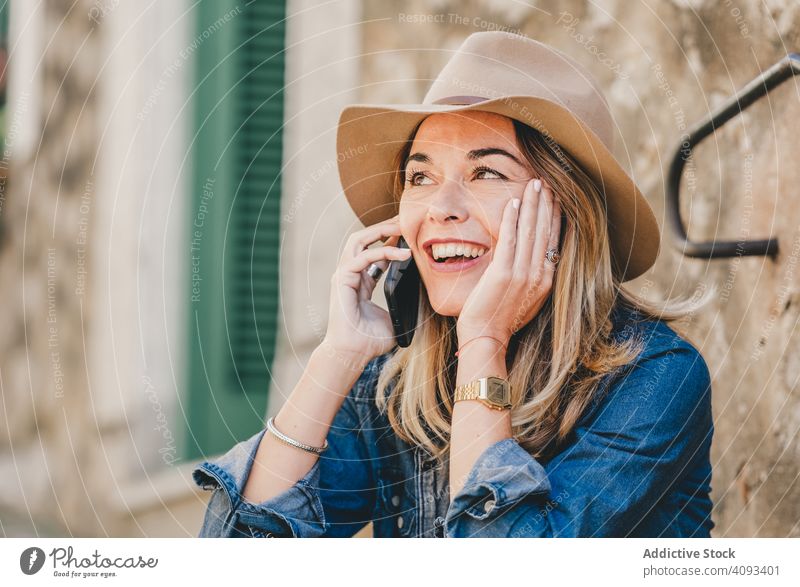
[497, 64]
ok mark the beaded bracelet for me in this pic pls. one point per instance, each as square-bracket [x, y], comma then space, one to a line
[505, 348]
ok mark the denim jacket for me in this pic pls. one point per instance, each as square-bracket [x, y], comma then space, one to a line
[637, 464]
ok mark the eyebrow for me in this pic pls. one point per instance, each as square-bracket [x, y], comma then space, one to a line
[473, 155]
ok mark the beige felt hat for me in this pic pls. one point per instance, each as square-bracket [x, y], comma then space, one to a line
[523, 79]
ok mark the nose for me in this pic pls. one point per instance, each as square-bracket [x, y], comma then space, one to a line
[449, 203]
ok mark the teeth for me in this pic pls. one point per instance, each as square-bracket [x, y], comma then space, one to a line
[442, 251]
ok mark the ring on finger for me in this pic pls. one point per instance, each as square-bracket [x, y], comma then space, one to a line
[374, 271]
[553, 256]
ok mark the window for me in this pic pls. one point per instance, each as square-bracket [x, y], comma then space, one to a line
[233, 272]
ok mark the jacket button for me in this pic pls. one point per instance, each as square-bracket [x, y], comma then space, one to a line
[488, 506]
[400, 522]
[438, 527]
[395, 500]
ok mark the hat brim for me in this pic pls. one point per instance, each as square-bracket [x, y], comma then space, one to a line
[369, 136]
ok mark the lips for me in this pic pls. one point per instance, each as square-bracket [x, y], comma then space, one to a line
[428, 244]
[453, 266]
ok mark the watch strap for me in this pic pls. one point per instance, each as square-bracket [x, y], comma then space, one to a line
[469, 390]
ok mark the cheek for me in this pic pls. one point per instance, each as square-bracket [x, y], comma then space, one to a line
[492, 218]
[410, 222]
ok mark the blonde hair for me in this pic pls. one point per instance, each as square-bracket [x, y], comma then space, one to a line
[556, 361]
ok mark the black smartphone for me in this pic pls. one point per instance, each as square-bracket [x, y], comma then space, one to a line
[401, 289]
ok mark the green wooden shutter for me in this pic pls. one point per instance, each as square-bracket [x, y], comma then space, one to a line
[234, 254]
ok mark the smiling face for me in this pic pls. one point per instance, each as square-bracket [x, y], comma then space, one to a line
[461, 171]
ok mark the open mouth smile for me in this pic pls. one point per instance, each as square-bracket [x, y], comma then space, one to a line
[448, 256]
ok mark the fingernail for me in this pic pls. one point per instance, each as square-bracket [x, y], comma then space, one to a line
[537, 184]
[515, 203]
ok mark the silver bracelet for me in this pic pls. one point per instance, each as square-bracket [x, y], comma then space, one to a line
[292, 442]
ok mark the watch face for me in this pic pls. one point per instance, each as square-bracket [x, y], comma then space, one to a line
[497, 391]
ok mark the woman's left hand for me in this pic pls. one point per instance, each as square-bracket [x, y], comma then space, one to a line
[519, 277]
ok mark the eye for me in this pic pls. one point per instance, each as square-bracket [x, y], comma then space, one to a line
[416, 177]
[413, 177]
[480, 171]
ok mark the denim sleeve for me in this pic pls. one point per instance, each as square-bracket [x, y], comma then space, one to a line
[655, 419]
[335, 498]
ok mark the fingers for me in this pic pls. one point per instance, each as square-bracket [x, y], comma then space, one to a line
[360, 240]
[507, 239]
[383, 265]
[543, 228]
[366, 286]
[555, 233]
[375, 255]
[369, 283]
[527, 229]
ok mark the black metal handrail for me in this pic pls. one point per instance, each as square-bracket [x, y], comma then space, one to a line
[761, 86]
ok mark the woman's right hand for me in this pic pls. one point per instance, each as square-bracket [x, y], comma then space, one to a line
[358, 329]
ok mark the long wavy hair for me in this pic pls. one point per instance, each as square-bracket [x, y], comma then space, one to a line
[556, 361]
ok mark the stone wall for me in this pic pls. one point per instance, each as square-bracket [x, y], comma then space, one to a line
[77, 375]
[45, 383]
[93, 228]
[91, 272]
[665, 65]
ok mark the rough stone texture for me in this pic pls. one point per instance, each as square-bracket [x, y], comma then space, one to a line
[666, 65]
[80, 454]
[127, 154]
[41, 338]
[69, 460]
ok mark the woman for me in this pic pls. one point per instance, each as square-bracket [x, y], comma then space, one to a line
[523, 227]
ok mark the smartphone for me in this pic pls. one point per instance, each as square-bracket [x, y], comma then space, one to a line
[401, 289]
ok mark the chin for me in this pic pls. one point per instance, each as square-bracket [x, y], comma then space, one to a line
[448, 307]
[447, 297]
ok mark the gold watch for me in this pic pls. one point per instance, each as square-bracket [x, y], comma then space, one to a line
[493, 391]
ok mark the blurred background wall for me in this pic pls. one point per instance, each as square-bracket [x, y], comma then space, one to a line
[170, 216]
